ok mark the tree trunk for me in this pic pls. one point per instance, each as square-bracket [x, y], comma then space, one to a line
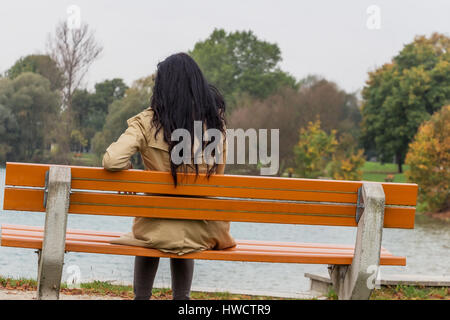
[399, 163]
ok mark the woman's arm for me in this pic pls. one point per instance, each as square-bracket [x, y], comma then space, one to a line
[221, 166]
[119, 153]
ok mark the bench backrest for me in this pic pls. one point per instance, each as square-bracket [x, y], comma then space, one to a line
[221, 197]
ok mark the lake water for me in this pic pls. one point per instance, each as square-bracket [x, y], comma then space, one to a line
[427, 248]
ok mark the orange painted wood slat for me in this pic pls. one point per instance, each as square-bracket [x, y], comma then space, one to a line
[32, 175]
[206, 208]
[74, 246]
[245, 253]
[106, 237]
[239, 247]
[7, 226]
[160, 182]
[400, 194]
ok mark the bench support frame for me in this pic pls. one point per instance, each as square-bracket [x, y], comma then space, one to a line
[357, 281]
[51, 256]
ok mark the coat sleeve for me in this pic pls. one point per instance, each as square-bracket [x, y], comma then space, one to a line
[221, 166]
[119, 153]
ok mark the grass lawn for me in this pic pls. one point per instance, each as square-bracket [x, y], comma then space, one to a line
[84, 159]
[371, 166]
[402, 292]
[97, 288]
[379, 177]
[375, 171]
[100, 288]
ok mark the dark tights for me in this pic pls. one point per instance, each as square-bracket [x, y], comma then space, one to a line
[145, 269]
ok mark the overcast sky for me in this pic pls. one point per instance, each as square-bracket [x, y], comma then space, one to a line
[329, 38]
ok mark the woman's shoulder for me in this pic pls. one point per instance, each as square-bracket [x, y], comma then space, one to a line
[142, 117]
[144, 121]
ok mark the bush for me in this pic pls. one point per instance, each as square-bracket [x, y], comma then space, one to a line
[347, 161]
[429, 161]
[314, 150]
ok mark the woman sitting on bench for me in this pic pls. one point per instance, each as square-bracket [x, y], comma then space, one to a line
[181, 95]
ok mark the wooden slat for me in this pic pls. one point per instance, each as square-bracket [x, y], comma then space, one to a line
[74, 246]
[106, 237]
[266, 246]
[206, 208]
[239, 247]
[401, 194]
[32, 175]
[7, 226]
[243, 252]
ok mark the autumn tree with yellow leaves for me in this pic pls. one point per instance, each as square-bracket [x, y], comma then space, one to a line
[429, 161]
[319, 153]
[347, 162]
[314, 150]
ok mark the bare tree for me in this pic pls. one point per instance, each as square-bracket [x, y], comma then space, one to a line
[74, 50]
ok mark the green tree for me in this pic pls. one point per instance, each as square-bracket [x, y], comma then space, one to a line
[78, 141]
[34, 107]
[90, 109]
[402, 94]
[41, 64]
[135, 100]
[8, 133]
[239, 62]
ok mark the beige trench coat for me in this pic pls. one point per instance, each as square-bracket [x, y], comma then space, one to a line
[167, 235]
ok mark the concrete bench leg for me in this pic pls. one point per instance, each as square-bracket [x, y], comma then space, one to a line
[354, 282]
[51, 257]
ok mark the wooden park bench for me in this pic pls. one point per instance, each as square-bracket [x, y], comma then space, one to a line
[58, 190]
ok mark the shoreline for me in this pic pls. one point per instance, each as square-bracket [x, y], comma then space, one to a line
[440, 216]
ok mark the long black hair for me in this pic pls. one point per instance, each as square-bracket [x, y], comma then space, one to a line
[181, 95]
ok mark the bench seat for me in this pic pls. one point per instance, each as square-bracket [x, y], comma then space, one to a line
[246, 250]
